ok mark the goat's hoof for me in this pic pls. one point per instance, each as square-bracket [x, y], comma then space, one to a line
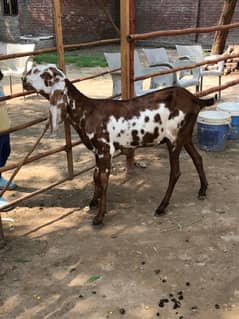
[202, 193]
[159, 211]
[97, 221]
[93, 203]
[201, 196]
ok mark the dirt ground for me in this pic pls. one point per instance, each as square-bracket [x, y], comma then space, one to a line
[182, 265]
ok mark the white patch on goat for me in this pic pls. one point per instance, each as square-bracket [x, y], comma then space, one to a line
[55, 116]
[90, 135]
[172, 126]
[120, 130]
[112, 148]
[74, 105]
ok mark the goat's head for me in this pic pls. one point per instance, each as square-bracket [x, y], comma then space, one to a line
[49, 81]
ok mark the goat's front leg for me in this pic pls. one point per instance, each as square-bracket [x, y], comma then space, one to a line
[103, 178]
[174, 176]
[95, 200]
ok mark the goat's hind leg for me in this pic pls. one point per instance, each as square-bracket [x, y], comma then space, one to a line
[174, 176]
[197, 160]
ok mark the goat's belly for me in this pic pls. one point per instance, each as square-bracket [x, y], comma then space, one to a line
[133, 139]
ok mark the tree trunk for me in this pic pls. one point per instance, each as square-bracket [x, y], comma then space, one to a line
[220, 37]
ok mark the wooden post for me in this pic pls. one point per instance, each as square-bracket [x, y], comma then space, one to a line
[1, 229]
[61, 64]
[127, 48]
[127, 26]
[58, 33]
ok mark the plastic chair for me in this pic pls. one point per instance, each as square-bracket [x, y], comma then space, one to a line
[187, 79]
[194, 53]
[159, 57]
[114, 62]
[17, 66]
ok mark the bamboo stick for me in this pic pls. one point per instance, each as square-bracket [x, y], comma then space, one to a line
[39, 191]
[66, 46]
[68, 148]
[156, 34]
[189, 66]
[23, 126]
[96, 75]
[217, 88]
[39, 156]
[20, 164]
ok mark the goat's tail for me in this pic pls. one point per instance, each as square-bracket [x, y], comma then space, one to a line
[205, 102]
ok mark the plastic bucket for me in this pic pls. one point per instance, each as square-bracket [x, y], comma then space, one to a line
[212, 130]
[233, 109]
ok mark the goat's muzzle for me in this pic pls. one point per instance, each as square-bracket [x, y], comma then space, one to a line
[27, 86]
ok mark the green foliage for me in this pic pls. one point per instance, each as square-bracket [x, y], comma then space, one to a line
[73, 58]
[93, 278]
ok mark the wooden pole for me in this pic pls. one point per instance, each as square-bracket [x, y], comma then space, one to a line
[220, 37]
[127, 65]
[61, 63]
[167, 33]
[1, 229]
[127, 26]
[58, 33]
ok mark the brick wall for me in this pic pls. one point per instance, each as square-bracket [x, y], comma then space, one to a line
[84, 21]
[156, 15]
[179, 14]
[9, 27]
[35, 17]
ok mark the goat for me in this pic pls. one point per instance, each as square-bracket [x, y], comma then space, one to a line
[105, 125]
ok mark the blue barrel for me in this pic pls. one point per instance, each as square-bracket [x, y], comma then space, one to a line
[212, 130]
[233, 109]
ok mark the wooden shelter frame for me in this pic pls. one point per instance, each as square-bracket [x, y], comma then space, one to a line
[127, 43]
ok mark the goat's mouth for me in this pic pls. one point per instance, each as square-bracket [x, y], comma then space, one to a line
[27, 86]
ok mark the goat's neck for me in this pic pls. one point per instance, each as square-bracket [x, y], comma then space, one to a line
[78, 103]
[78, 107]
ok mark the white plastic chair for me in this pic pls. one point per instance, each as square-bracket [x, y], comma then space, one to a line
[187, 79]
[17, 66]
[159, 57]
[194, 53]
[114, 62]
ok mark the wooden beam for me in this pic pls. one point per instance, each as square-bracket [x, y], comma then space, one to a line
[58, 33]
[127, 26]
[127, 49]
[61, 64]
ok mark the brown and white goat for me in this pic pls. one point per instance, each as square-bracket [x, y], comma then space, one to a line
[104, 125]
